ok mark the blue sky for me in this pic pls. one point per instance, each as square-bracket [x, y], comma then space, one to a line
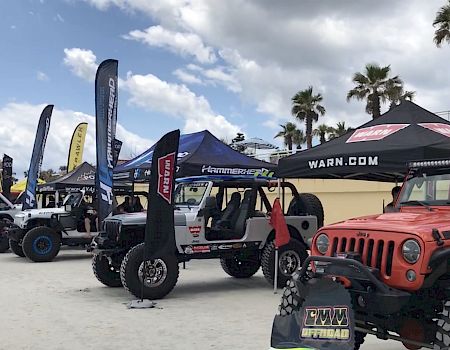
[193, 64]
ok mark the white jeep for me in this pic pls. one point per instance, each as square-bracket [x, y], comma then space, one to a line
[224, 219]
[39, 233]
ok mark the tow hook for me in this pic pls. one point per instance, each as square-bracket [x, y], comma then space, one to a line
[437, 237]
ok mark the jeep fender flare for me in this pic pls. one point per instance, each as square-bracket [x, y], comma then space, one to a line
[6, 216]
[293, 232]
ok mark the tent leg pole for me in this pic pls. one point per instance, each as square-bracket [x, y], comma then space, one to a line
[184, 265]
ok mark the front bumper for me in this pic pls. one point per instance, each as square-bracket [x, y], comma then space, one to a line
[370, 293]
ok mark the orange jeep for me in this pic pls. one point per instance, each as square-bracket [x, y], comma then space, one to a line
[395, 266]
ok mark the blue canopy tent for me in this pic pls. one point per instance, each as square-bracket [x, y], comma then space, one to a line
[199, 153]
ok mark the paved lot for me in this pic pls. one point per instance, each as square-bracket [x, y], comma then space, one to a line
[60, 305]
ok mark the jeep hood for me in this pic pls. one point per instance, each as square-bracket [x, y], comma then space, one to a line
[418, 223]
[43, 211]
[141, 218]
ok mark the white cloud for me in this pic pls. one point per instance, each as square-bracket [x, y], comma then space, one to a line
[42, 76]
[17, 139]
[185, 44]
[81, 62]
[186, 77]
[310, 43]
[219, 75]
[151, 93]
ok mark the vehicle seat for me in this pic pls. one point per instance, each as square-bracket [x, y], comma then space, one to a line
[236, 231]
[246, 210]
[230, 213]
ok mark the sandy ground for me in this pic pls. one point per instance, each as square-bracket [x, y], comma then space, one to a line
[60, 305]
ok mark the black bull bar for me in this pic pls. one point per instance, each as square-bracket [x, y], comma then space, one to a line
[363, 278]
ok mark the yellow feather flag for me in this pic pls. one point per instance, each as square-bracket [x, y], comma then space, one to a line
[77, 147]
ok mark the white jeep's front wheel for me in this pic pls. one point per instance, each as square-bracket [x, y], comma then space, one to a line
[151, 279]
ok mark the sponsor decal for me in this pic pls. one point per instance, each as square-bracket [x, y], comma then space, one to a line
[238, 245]
[375, 133]
[87, 176]
[326, 323]
[165, 176]
[362, 234]
[343, 161]
[111, 105]
[225, 246]
[201, 248]
[195, 230]
[440, 128]
[188, 250]
[208, 169]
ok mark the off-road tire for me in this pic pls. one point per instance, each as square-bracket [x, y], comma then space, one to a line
[443, 328]
[4, 244]
[292, 301]
[241, 268]
[307, 203]
[104, 272]
[268, 259]
[4, 241]
[129, 275]
[31, 244]
[16, 248]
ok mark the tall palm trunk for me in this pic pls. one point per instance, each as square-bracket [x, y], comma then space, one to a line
[322, 138]
[376, 108]
[289, 143]
[309, 122]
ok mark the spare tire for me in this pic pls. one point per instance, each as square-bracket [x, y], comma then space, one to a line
[307, 204]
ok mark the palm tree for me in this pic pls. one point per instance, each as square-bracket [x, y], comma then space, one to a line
[322, 131]
[442, 20]
[396, 94]
[299, 139]
[339, 130]
[374, 87]
[306, 107]
[291, 135]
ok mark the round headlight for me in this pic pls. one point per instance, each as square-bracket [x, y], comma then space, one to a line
[411, 251]
[322, 243]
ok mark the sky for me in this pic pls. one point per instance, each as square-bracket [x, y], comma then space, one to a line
[226, 66]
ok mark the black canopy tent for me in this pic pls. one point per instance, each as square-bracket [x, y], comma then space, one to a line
[378, 150]
[81, 178]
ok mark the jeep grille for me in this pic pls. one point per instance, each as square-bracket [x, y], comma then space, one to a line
[376, 253]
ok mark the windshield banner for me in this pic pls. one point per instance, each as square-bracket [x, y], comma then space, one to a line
[160, 227]
[29, 201]
[324, 320]
[106, 118]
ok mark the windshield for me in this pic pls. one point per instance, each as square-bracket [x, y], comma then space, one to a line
[190, 193]
[426, 189]
[72, 199]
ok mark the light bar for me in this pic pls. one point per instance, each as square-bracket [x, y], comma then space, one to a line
[429, 163]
